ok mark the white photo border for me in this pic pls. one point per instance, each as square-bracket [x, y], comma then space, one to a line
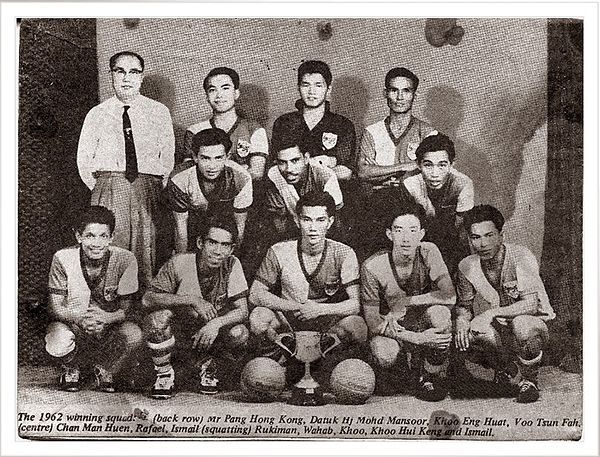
[12, 445]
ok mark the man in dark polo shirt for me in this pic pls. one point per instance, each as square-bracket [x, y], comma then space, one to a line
[330, 138]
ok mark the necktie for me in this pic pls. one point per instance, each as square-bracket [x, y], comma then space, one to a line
[131, 166]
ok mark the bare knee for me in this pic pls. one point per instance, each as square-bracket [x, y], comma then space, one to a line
[527, 327]
[261, 319]
[489, 338]
[531, 334]
[384, 351]
[60, 340]
[238, 335]
[439, 316]
[157, 325]
[354, 328]
[131, 334]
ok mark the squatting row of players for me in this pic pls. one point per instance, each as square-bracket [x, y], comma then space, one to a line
[437, 281]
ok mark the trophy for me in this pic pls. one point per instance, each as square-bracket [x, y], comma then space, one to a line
[307, 391]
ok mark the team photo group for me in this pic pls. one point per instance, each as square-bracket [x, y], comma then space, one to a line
[203, 273]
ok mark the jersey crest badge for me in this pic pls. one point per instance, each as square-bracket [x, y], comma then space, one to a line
[411, 151]
[511, 289]
[110, 294]
[243, 148]
[329, 140]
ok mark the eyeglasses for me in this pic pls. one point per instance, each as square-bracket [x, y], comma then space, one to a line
[122, 73]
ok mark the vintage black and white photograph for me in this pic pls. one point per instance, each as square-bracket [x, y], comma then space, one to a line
[300, 228]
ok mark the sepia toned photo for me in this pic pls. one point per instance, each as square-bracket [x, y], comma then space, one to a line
[300, 228]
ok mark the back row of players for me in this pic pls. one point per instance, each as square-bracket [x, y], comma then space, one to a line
[400, 302]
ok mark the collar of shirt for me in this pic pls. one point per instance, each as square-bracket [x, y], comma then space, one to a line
[133, 104]
[300, 105]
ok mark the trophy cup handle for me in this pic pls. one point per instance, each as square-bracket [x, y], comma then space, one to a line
[335, 342]
[278, 342]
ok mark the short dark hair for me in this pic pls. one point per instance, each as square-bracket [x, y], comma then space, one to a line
[301, 142]
[483, 213]
[221, 221]
[210, 137]
[113, 60]
[398, 72]
[222, 71]
[315, 66]
[317, 198]
[406, 208]
[96, 215]
[437, 142]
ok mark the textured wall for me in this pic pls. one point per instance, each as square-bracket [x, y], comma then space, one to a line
[58, 84]
[489, 91]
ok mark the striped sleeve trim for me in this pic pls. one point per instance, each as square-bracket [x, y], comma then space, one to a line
[158, 290]
[352, 283]
[243, 294]
[264, 281]
[241, 210]
[257, 153]
[54, 291]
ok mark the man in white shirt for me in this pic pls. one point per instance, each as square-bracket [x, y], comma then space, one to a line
[125, 154]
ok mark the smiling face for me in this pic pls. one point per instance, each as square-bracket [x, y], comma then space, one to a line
[313, 90]
[211, 161]
[314, 223]
[406, 234]
[127, 77]
[221, 93]
[435, 168]
[292, 164]
[94, 240]
[215, 247]
[400, 95]
[486, 239]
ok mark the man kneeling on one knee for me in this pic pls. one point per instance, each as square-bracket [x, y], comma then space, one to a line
[406, 295]
[318, 278]
[201, 299]
[502, 304]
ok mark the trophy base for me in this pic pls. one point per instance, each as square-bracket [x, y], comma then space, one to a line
[306, 397]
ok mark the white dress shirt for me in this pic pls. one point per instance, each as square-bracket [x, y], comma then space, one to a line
[102, 145]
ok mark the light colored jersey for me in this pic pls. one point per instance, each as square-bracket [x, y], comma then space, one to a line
[381, 285]
[337, 269]
[185, 190]
[519, 277]
[119, 277]
[248, 139]
[378, 143]
[180, 275]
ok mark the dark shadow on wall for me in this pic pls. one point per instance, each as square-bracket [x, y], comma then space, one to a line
[254, 103]
[349, 97]
[496, 165]
[162, 90]
[445, 109]
[512, 124]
